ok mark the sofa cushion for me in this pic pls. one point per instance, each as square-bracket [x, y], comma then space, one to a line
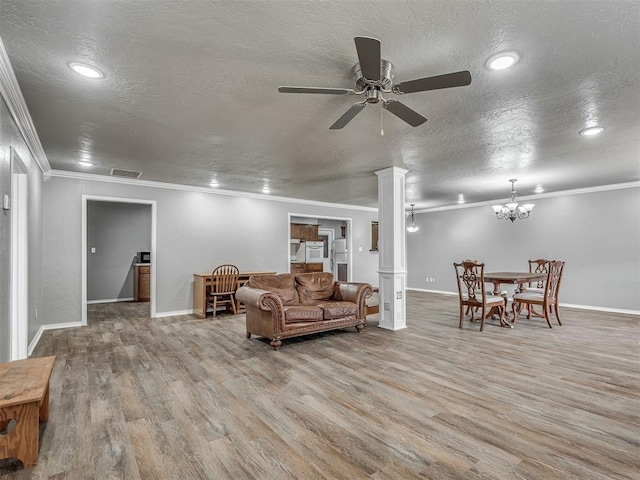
[282, 285]
[336, 309]
[314, 286]
[302, 313]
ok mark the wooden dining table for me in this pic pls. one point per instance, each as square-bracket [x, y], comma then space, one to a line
[514, 278]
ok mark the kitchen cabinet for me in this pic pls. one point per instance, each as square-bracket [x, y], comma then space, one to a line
[304, 232]
[295, 231]
[142, 279]
[297, 268]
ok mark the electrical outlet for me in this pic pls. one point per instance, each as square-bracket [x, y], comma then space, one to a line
[386, 306]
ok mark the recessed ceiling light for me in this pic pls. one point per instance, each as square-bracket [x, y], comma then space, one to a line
[84, 163]
[86, 70]
[539, 189]
[214, 183]
[502, 60]
[587, 132]
[461, 198]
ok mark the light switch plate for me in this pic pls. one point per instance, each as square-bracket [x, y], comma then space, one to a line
[6, 203]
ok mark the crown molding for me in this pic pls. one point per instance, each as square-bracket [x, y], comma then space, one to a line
[12, 95]
[563, 193]
[212, 191]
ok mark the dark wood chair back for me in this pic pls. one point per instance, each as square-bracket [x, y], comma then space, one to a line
[472, 292]
[471, 286]
[554, 275]
[540, 265]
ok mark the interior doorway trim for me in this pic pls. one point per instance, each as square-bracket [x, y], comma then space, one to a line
[94, 198]
[19, 290]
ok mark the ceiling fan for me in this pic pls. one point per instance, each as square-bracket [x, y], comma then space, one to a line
[374, 76]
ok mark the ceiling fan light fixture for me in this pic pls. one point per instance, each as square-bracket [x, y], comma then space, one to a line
[86, 70]
[590, 131]
[503, 60]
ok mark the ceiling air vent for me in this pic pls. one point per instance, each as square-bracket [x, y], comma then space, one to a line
[118, 172]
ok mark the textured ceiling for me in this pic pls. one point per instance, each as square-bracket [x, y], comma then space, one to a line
[190, 92]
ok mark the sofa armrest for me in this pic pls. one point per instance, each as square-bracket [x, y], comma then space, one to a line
[260, 299]
[353, 292]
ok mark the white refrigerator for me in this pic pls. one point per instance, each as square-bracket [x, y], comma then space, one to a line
[340, 259]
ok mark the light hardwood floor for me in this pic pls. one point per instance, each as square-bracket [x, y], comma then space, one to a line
[187, 398]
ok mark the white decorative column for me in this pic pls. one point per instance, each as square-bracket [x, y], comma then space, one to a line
[391, 248]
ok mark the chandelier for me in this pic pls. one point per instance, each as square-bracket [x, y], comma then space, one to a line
[512, 210]
[412, 227]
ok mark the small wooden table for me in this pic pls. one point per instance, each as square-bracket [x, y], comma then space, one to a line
[202, 281]
[24, 398]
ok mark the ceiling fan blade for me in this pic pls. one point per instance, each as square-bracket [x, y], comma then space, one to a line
[403, 112]
[330, 91]
[369, 57]
[448, 80]
[348, 116]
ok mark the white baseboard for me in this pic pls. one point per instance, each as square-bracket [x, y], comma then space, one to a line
[173, 314]
[568, 305]
[110, 300]
[51, 326]
[433, 291]
[601, 309]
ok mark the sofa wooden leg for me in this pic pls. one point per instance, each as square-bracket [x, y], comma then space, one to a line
[275, 344]
[359, 328]
[248, 334]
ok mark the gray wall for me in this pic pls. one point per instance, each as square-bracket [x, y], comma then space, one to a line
[195, 232]
[117, 231]
[597, 235]
[10, 137]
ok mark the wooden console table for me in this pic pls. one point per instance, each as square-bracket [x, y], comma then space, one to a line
[202, 281]
[24, 400]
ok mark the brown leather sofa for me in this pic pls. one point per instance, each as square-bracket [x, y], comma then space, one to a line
[287, 305]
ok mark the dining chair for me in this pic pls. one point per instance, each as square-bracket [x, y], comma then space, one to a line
[540, 265]
[224, 283]
[548, 299]
[472, 293]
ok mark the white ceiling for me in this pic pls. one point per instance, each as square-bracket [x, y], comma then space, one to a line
[190, 92]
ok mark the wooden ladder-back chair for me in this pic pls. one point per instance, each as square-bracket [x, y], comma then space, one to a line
[472, 292]
[548, 299]
[224, 283]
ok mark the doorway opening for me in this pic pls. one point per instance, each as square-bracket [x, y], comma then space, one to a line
[19, 258]
[330, 235]
[118, 236]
